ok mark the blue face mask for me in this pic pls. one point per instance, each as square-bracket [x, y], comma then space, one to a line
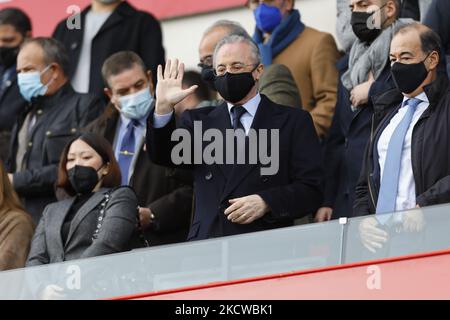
[267, 17]
[30, 84]
[137, 105]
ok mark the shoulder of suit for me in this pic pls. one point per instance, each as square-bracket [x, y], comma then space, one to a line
[122, 190]
[295, 114]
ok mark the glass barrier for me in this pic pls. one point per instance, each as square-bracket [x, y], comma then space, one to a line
[402, 233]
[175, 266]
[232, 258]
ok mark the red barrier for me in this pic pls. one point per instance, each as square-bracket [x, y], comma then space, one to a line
[46, 14]
[419, 276]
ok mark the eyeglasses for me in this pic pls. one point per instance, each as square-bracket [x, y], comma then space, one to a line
[234, 68]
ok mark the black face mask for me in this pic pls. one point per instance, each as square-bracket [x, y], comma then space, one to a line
[8, 56]
[408, 77]
[233, 87]
[359, 25]
[83, 179]
[208, 76]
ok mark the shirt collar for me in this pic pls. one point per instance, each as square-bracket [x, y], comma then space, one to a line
[421, 96]
[250, 106]
[142, 122]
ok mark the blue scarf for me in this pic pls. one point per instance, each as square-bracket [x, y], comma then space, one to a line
[281, 37]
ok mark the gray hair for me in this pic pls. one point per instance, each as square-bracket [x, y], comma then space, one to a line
[233, 28]
[232, 39]
[54, 52]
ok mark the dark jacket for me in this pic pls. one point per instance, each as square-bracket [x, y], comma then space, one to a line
[11, 105]
[58, 119]
[166, 191]
[125, 29]
[346, 144]
[120, 215]
[293, 192]
[429, 150]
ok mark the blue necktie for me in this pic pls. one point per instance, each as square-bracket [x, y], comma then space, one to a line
[127, 151]
[391, 173]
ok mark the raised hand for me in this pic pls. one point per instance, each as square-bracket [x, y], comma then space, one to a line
[169, 90]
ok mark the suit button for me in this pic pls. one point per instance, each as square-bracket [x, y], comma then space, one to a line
[48, 133]
[208, 176]
[73, 130]
[74, 45]
[39, 112]
[30, 144]
[346, 143]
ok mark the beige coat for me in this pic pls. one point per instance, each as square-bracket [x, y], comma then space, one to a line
[312, 60]
[16, 232]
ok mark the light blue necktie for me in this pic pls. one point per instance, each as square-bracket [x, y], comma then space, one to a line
[391, 173]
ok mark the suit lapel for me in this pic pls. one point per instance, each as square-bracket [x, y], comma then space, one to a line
[84, 211]
[58, 219]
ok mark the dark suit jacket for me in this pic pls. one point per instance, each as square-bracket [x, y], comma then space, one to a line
[166, 191]
[58, 120]
[125, 29]
[430, 147]
[11, 105]
[116, 232]
[294, 191]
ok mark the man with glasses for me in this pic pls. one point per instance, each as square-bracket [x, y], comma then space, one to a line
[309, 54]
[235, 198]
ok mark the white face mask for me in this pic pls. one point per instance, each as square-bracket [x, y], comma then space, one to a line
[30, 84]
[137, 105]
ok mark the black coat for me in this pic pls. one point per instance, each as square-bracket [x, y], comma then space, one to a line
[125, 29]
[166, 191]
[293, 192]
[11, 105]
[346, 143]
[59, 119]
[430, 149]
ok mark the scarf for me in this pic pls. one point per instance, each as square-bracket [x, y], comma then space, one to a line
[281, 37]
[370, 57]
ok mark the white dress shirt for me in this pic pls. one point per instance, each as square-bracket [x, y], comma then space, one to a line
[251, 106]
[406, 194]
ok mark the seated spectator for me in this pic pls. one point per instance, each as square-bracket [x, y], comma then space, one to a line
[15, 28]
[98, 218]
[16, 227]
[108, 26]
[164, 194]
[54, 116]
[284, 39]
[201, 96]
